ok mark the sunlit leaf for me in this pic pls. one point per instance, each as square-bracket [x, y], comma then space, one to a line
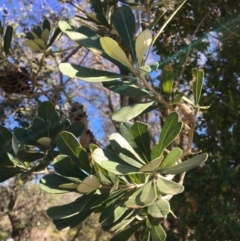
[45, 36]
[198, 76]
[143, 43]
[86, 74]
[186, 165]
[158, 233]
[33, 45]
[112, 49]
[167, 79]
[172, 157]
[127, 113]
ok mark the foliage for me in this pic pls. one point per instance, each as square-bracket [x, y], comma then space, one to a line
[132, 181]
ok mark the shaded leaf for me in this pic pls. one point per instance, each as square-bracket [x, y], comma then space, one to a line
[168, 187]
[151, 165]
[198, 76]
[5, 137]
[159, 209]
[143, 196]
[29, 156]
[45, 110]
[124, 22]
[8, 172]
[7, 39]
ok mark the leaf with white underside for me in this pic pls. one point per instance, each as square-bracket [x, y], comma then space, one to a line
[151, 165]
[127, 113]
[86, 74]
[89, 184]
[112, 49]
[143, 42]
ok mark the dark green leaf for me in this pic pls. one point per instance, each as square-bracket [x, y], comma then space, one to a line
[22, 136]
[54, 126]
[5, 137]
[127, 113]
[186, 165]
[124, 22]
[45, 110]
[76, 128]
[126, 234]
[83, 161]
[46, 25]
[38, 31]
[6, 173]
[67, 144]
[64, 166]
[170, 131]
[141, 136]
[56, 35]
[29, 156]
[97, 6]
[39, 127]
[70, 209]
[8, 39]
[51, 183]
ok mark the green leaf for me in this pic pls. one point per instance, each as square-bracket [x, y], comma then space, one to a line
[45, 110]
[51, 183]
[172, 157]
[83, 161]
[140, 133]
[56, 35]
[67, 144]
[111, 214]
[70, 209]
[86, 74]
[127, 113]
[177, 99]
[8, 172]
[46, 25]
[54, 126]
[168, 187]
[198, 76]
[151, 165]
[143, 196]
[167, 79]
[158, 233]
[127, 88]
[76, 128]
[124, 22]
[125, 131]
[8, 39]
[118, 169]
[170, 131]
[22, 136]
[127, 233]
[29, 156]
[39, 127]
[145, 235]
[159, 209]
[143, 43]
[121, 146]
[64, 166]
[186, 165]
[97, 6]
[5, 137]
[73, 221]
[113, 50]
